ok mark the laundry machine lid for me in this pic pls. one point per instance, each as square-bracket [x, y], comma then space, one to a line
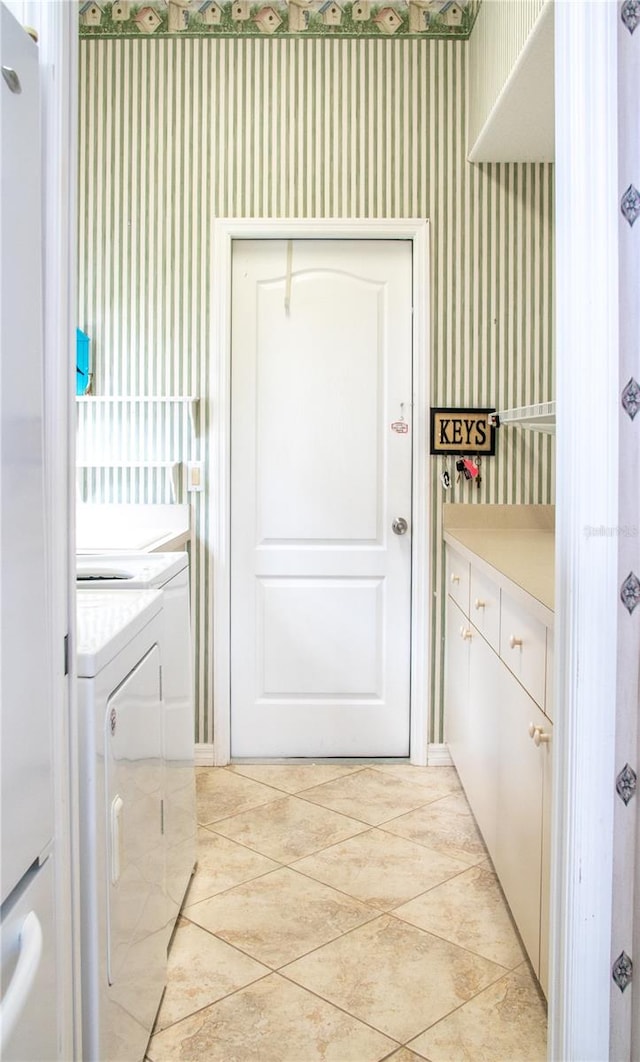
[107, 621]
[130, 570]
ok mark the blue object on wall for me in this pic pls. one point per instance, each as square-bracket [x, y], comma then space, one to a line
[83, 375]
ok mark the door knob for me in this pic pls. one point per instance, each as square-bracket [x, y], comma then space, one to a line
[399, 526]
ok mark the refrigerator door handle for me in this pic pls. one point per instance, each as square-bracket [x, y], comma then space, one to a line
[17, 994]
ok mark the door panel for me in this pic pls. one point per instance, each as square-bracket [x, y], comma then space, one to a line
[305, 407]
[336, 626]
[321, 587]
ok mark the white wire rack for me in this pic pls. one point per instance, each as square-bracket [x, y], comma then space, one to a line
[538, 417]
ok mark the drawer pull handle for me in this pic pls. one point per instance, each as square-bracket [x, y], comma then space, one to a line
[455, 578]
[538, 735]
[514, 642]
[466, 633]
[478, 604]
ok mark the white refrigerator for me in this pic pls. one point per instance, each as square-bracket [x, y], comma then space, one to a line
[28, 1018]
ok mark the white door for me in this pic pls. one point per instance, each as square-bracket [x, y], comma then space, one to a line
[320, 470]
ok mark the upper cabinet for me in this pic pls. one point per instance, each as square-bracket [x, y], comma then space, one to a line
[511, 83]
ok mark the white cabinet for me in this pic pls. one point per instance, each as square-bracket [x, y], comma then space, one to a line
[523, 647]
[483, 749]
[500, 739]
[484, 607]
[457, 685]
[522, 770]
[458, 580]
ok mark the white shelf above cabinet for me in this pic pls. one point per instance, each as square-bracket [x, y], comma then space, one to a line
[173, 469]
[191, 402]
[541, 416]
[520, 126]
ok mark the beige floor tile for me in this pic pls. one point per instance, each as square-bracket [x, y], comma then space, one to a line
[446, 825]
[379, 868]
[469, 910]
[288, 829]
[370, 795]
[293, 778]
[280, 916]
[395, 977]
[221, 793]
[438, 781]
[270, 1021]
[223, 864]
[201, 970]
[506, 1021]
[404, 1055]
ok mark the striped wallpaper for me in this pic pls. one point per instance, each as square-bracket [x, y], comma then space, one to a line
[175, 132]
[498, 37]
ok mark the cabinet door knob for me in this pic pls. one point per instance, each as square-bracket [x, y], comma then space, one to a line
[466, 633]
[538, 735]
[515, 642]
[455, 578]
[478, 604]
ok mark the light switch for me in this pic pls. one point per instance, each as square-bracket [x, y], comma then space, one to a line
[194, 475]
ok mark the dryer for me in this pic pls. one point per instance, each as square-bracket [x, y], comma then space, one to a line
[123, 910]
[170, 573]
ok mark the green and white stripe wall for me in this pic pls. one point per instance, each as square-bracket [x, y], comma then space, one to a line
[177, 132]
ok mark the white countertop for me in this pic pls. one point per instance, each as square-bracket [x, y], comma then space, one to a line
[520, 558]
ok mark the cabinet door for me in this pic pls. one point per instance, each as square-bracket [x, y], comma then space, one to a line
[484, 607]
[456, 689]
[545, 885]
[521, 775]
[458, 579]
[523, 641]
[483, 722]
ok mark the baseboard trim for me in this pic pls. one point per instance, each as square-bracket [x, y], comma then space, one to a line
[204, 755]
[439, 756]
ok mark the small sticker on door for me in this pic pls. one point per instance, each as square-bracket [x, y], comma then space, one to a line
[400, 427]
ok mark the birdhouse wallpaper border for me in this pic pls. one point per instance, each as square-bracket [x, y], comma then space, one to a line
[309, 18]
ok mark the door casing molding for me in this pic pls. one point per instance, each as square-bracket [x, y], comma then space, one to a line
[225, 231]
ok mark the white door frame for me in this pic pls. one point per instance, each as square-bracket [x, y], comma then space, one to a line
[226, 230]
[587, 602]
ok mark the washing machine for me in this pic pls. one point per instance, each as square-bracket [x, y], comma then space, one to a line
[123, 906]
[168, 572]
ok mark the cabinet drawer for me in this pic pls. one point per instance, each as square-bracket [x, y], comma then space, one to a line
[523, 641]
[484, 607]
[458, 580]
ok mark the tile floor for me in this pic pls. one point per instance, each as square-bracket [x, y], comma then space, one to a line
[344, 913]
